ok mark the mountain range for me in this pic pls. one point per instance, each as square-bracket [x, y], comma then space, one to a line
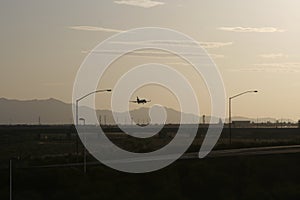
[53, 111]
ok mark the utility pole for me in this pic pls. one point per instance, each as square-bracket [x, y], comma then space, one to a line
[84, 156]
[10, 180]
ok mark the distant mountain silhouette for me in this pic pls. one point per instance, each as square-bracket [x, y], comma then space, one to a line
[50, 111]
[53, 111]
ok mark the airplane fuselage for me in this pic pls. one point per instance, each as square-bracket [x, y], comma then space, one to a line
[140, 101]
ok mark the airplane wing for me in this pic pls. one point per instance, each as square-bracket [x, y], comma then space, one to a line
[133, 101]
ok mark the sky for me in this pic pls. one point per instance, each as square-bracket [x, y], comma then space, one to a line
[255, 45]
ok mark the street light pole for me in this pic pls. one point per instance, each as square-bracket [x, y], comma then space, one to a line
[229, 118]
[77, 101]
[10, 180]
[77, 111]
[229, 121]
[84, 149]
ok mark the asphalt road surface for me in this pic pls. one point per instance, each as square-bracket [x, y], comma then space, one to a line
[214, 154]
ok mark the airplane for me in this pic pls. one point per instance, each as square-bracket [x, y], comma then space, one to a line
[139, 101]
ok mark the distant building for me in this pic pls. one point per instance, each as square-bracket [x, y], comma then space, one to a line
[241, 124]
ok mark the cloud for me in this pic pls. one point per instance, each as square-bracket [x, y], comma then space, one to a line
[178, 63]
[139, 53]
[149, 48]
[272, 67]
[180, 43]
[213, 45]
[252, 29]
[94, 28]
[216, 56]
[140, 3]
[149, 53]
[213, 56]
[273, 56]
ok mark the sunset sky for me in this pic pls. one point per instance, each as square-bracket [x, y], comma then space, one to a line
[255, 44]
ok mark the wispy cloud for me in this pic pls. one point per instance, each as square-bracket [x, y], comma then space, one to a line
[150, 48]
[139, 53]
[94, 28]
[181, 43]
[150, 53]
[140, 3]
[178, 63]
[252, 29]
[213, 56]
[272, 67]
[273, 56]
[213, 45]
[217, 56]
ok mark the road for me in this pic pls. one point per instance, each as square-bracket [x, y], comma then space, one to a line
[248, 151]
[194, 155]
